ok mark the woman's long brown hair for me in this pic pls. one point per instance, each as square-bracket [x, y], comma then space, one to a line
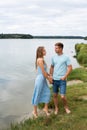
[39, 54]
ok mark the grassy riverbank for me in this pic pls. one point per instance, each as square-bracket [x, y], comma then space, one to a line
[77, 100]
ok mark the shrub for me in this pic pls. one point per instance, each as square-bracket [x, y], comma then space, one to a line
[81, 53]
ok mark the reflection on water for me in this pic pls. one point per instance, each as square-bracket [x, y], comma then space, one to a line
[15, 100]
[17, 74]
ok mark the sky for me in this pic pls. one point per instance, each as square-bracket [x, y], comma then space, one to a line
[44, 17]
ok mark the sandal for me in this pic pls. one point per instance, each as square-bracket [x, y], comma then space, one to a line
[56, 112]
[34, 114]
[67, 111]
[47, 113]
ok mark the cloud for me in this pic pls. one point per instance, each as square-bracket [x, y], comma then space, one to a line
[48, 17]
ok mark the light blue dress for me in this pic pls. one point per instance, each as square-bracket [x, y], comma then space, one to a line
[41, 92]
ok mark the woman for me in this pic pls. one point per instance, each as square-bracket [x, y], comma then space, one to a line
[41, 91]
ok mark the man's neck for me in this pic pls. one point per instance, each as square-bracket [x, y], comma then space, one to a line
[60, 53]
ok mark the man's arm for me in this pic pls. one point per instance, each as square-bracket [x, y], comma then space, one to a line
[51, 70]
[69, 69]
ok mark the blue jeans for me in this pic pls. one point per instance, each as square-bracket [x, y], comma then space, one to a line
[59, 85]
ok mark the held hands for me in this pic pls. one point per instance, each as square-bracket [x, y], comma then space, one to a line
[50, 79]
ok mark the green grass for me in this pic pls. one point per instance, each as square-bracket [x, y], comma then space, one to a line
[78, 74]
[77, 120]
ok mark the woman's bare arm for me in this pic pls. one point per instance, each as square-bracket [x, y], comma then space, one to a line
[40, 63]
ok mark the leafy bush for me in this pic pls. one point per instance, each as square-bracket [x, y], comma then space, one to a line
[82, 58]
[81, 53]
[78, 47]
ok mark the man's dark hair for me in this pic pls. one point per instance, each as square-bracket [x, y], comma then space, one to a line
[59, 44]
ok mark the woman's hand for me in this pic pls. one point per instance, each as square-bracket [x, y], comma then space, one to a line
[50, 79]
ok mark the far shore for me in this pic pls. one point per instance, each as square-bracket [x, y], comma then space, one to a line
[29, 36]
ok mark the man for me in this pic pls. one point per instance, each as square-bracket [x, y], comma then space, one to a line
[60, 69]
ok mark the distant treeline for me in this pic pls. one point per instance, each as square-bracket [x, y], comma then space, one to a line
[28, 36]
[60, 37]
[15, 36]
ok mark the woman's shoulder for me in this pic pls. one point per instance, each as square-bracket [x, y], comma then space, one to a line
[39, 60]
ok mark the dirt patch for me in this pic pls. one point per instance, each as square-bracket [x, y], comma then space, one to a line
[74, 82]
[84, 97]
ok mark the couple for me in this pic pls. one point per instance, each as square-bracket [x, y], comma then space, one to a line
[59, 70]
